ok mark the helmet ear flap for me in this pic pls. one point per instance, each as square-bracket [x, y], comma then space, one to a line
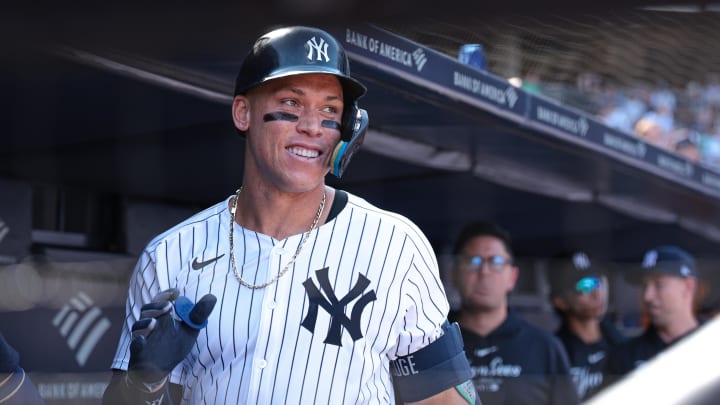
[352, 136]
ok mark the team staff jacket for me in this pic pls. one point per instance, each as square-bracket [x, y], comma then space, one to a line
[633, 353]
[364, 290]
[519, 364]
[587, 361]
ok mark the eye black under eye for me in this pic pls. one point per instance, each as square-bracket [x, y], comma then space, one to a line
[280, 116]
[331, 124]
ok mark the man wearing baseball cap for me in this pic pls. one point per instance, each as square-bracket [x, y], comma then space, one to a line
[668, 277]
[579, 292]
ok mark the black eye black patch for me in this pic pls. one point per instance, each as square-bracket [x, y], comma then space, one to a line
[331, 124]
[284, 116]
[280, 116]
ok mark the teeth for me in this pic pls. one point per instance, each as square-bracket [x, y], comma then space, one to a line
[304, 152]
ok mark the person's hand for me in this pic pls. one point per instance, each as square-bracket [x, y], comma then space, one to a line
[160, 341]
[9, 357]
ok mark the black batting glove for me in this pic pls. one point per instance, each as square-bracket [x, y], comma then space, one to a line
[160, 340]
[9, 357]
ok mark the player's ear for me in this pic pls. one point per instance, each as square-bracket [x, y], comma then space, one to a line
[241, 112]
[514, 274]
[559, 303]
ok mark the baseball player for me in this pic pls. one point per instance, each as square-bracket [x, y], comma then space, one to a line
[579, 291]
[290, 291]
[668, 277]
[513, 362]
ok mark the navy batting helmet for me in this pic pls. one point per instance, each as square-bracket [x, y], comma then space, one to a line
[295, 51]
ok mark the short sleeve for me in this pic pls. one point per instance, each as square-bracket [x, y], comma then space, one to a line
[144, 284]
[424, 301]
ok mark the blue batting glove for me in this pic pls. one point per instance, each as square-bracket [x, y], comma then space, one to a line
[160, 342]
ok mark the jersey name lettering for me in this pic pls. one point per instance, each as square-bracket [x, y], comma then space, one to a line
[403, 366]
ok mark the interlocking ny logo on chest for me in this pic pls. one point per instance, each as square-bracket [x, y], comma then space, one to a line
[197, 265]
[336, 308]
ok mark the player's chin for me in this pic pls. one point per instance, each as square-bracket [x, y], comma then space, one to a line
[481, 301]
[306, 180]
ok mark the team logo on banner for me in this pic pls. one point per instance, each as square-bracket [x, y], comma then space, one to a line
[82, 324]
[419, 58]
[511, 96]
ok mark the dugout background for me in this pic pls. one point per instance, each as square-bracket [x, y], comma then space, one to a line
[116, 126]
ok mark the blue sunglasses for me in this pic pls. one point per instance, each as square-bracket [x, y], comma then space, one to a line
[586, 285]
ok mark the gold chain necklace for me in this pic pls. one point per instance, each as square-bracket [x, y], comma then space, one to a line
[290, 263]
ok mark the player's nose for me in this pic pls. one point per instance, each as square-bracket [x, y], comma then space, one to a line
[310, 123]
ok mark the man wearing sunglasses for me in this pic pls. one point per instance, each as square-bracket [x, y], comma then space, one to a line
[513, 362]
[579, 294]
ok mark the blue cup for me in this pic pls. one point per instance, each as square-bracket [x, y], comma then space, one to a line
[473, 55]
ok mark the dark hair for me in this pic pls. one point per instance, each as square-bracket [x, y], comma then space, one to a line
[477, 229]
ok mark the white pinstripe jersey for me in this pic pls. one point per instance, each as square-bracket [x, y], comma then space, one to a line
[255, 349]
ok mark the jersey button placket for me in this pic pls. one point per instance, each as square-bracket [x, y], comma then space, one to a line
[262, 391]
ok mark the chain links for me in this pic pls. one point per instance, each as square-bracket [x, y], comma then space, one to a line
[306, 235]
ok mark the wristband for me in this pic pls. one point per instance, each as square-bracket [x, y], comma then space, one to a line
[147, 388]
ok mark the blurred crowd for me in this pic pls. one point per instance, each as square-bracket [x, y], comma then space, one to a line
[684, 120]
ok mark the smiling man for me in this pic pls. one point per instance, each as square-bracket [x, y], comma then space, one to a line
[322, 298]
[513, 362]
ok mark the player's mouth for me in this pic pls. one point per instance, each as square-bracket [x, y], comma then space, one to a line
[302, 152]
[653, 309]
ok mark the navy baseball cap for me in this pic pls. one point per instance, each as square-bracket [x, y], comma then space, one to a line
[573, 272]
[669, 260]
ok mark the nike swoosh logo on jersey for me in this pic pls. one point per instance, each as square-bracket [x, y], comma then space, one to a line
[196, 265]
[485, 351]
[595, 357]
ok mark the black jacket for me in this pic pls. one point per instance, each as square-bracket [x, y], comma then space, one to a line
[588, 361]
[518, 363]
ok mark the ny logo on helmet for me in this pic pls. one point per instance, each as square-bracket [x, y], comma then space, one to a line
[319, 48]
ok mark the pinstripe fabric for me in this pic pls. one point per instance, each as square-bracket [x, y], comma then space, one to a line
[255, 348]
